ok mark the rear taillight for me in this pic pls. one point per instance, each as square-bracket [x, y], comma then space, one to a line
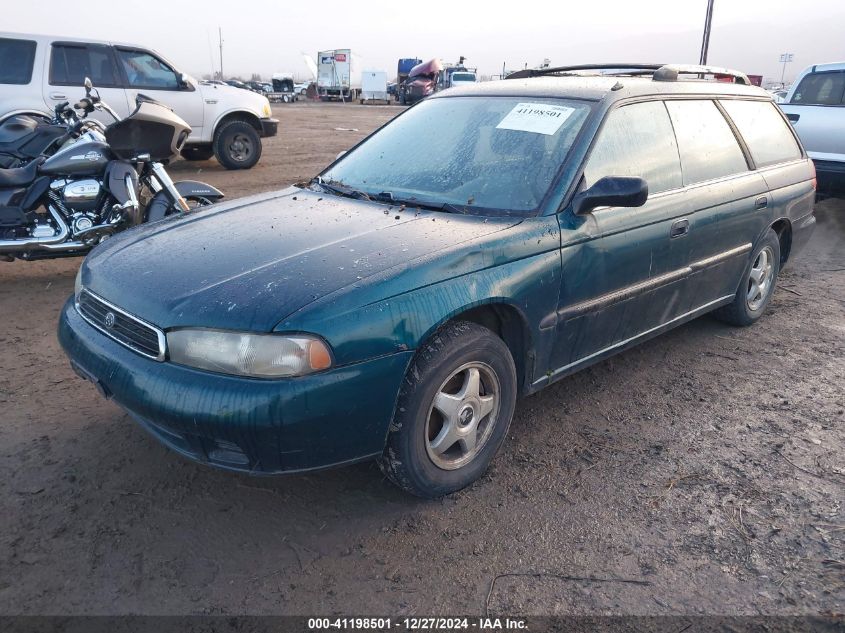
[814, 174]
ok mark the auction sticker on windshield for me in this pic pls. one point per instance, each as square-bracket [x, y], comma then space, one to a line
[540, 118]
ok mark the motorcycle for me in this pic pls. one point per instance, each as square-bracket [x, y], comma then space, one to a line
[66, 202]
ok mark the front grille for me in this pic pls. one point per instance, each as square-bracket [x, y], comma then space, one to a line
[121, 326]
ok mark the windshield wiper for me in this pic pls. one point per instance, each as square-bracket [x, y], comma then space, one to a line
[446, 207]
[386, 196]
[341, 190]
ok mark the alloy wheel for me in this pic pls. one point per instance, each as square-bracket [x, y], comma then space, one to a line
[240, 148]
[462, 416]
[760, 279]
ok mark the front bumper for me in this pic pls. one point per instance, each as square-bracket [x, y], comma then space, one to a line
[269, 127]
[257, 426]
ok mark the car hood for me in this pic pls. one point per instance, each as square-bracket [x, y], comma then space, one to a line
[249, 263]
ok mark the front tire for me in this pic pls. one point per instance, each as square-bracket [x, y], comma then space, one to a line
[237, 145]
[454, 409]
[757, 286]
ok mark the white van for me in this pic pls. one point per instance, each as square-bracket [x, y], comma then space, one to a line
[37, 72]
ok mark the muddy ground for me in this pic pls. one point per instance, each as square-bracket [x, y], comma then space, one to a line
[706, 464]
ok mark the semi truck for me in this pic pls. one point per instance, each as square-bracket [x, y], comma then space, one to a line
[338, 75]
[403, 69]
[432, 76]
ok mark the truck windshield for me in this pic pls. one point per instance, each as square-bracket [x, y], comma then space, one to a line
[462, 77]
[493, 155]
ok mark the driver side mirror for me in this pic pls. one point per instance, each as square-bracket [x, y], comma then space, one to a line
[184, 84]
[88, 86]
[612, 191]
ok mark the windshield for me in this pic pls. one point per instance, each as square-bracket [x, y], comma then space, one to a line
[462, 77]
[486, 154]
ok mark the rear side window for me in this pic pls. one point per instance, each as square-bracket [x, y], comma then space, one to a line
[637, 141]
[707, 144]
[765, 132]
[70, 64]
[827, 88]
[16, 61]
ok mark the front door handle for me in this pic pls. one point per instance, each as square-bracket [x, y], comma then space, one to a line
[58, 95]
[679, 228]
[793, 118]
[761, 203]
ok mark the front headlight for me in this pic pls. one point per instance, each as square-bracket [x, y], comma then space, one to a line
[242, 354]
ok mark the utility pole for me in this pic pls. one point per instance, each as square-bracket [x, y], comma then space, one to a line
[785, 58]
[705, 41]
[220, 37]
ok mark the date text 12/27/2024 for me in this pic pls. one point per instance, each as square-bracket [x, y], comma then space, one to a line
[417, 624]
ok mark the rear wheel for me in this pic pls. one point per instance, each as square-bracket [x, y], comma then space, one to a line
[757, 285]
[237, 145]
[453, 412]
[197, 152]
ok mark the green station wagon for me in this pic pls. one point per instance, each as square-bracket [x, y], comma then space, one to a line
[485, 243]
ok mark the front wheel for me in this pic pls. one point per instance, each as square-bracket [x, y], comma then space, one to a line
[454, 409]
[237, 145]
[757, 285]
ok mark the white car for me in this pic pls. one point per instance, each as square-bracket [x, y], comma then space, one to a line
[37, 72]
[815, 105]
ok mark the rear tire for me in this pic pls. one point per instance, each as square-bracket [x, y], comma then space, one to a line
[455, 405]
[237, 145]
[757, 286]
[197, 152]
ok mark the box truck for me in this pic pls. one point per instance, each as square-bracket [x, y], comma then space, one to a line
[338, 75]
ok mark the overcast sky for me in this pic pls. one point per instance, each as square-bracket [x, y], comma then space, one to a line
[264, 37]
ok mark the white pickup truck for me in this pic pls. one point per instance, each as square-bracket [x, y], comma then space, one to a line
[37, 72]
[815, 105]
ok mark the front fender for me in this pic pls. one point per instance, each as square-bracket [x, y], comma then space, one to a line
[397, 310]
[160, 203]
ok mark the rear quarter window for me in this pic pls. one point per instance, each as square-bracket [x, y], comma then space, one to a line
[825, 88]
[765, 132]
[16, 60]
[707, 144]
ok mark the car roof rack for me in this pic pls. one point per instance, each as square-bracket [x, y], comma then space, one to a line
[658, 72]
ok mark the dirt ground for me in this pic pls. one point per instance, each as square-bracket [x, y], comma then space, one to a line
[706, 464]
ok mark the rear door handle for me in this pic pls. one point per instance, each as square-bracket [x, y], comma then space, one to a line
[58, 95]
[679, 228]
[793, 117]
[761, 203]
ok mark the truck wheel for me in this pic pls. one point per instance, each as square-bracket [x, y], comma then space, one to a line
[286, 99]
[237, 145]
[197, 152]
[454, 409]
